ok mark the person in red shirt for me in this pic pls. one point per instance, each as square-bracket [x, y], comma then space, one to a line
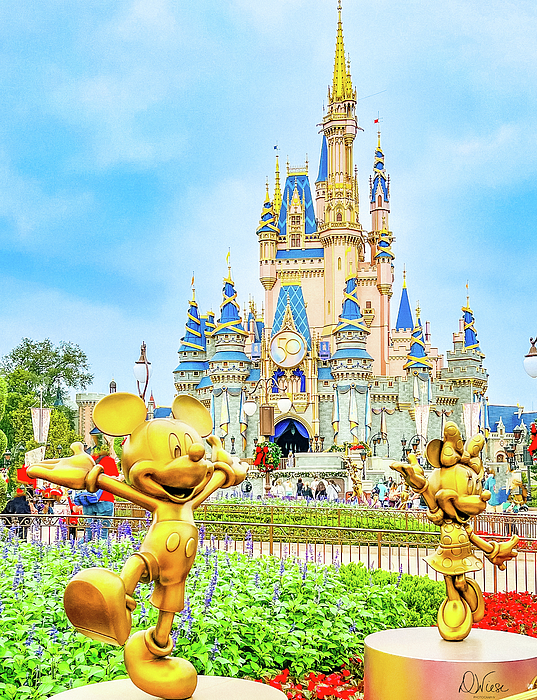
[105, 505]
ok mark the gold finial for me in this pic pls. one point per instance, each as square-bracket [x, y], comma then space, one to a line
[339, 6]
[193, 290]
[378, 134]
[417, 310]
[467, 296]
[228, 263]
[277, 203]
[404, 276]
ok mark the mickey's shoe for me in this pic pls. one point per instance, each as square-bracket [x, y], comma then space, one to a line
[97, 606]
[151, 670]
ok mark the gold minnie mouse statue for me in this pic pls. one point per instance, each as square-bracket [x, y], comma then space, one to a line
[166, 472]
[454, 494]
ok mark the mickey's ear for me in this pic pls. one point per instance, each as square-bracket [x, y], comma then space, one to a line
[432, 452]
[118, 414]
[189, 410]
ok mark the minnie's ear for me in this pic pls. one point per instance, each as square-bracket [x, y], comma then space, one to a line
[189, 410]
[118, 414]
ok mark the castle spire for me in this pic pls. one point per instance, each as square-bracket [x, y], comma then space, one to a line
[351, 317]
[417, 357]
[341, 84]
[470, 334]
[404, 317]
[277, 201]
[230, 320]
[194, 338]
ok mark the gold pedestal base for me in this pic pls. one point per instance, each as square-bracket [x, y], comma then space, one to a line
[209, 688]
[416, 663]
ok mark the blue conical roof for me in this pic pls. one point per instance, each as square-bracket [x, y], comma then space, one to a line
[470, 335]
[404, 317]
[379, 176]
[351, 318]
[194, 338]
[417, 357]
[229, 321]
[323, 163]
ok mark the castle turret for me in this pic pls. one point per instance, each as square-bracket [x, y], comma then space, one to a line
[351, 361]
[337, 191]
[192, 352]
[379, 199]
[267, 233]
[229, 366]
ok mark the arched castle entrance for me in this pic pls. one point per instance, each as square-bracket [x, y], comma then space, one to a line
[291, 436]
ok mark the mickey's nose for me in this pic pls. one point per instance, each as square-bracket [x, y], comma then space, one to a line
[196, 452]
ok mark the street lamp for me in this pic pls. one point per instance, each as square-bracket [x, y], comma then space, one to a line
[363, 457]
[403, 445]
[142, 372]
[530, 360]
[266, 412]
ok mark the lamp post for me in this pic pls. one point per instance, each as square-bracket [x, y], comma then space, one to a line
[363, 457]
[530, 365]
[403, 445]
[142, 372]
[266, 412]
[376, 440]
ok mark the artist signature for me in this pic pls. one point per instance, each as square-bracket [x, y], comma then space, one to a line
[472, 684]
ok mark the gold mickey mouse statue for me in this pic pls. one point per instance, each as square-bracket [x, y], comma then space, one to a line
[454, 494]
[166, 473]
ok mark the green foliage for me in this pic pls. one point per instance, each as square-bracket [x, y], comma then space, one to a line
[118, 447]
[421, 594]
[3, 399]
[49, 367]
[244, 617]
[3, 494]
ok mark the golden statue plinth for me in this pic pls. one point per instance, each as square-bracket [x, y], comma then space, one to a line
[166, 473]
[417, 662]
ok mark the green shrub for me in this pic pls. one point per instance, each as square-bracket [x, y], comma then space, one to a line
[421, 594]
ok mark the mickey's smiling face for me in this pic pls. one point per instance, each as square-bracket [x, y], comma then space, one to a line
[165, 458]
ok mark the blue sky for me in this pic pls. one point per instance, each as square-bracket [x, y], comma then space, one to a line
[136, 136]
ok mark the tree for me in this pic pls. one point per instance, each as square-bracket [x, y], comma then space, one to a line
[42, 365]
[3, 400]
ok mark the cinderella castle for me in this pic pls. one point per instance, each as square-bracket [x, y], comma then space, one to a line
[326, 338]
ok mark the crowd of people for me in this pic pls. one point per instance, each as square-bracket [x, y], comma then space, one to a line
[66, 504]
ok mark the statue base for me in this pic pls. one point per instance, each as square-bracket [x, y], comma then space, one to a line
[209, 688]
[415, 662]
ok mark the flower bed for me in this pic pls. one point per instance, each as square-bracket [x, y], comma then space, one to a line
[510, 612]
[244, 617]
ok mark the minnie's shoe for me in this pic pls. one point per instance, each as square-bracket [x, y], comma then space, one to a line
[97, 606]
[151, 670]
[454, 620]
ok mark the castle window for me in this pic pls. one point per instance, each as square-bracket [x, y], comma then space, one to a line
[329, 308]
[225, 364]
[379, 201]
[368, 305]
[295, 221]
[339, 263]
[295, 240]
[196, 374]
[241, 364]
[339, 216]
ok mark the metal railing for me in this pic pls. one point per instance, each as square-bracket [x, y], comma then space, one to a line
[397, 551]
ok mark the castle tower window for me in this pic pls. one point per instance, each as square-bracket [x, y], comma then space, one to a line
[379, 201]
[295, 240]
[368, 305]
[329, 308]
[295, 221]
[339, 216]
[339, 263]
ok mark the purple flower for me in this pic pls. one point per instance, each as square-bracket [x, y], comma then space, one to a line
[30, 638]
[256, 580]
[337, 562]
[282, 567]
[148, 518]
[400, 575]
[305, 571]
[212, 586]
[18, 578]
[276, 595]
[215, 650]
[201, 534]
[53, 633]
[249, 543]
